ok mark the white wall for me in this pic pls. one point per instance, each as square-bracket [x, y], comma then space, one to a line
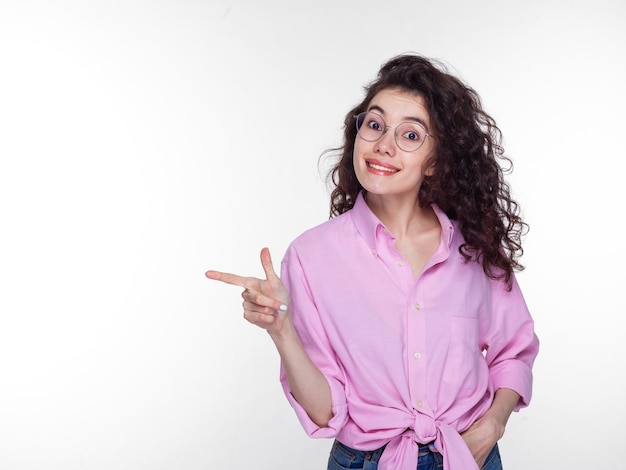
[142, 143]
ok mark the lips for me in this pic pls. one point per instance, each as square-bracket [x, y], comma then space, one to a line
[380, 168]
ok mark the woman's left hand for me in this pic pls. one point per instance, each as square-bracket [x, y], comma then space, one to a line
[481, 436]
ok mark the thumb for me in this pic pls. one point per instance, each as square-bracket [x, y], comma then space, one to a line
[266, 262]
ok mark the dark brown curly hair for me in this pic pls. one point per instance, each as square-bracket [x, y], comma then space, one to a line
[467, 182]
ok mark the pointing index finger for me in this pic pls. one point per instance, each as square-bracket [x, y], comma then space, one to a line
[228, 278]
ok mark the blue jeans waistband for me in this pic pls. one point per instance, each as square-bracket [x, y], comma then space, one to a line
[373, 456]
[344, 457]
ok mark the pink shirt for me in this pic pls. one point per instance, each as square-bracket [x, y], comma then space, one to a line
[408, 361]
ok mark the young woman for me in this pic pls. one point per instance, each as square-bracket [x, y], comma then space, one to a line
[401, 328]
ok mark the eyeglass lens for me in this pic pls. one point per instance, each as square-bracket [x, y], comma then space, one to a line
[409, 135]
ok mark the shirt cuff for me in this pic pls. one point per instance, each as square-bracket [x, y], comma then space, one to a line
[516, 376]
[339, 409]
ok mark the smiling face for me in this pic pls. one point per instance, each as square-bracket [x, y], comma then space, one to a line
[383, 168]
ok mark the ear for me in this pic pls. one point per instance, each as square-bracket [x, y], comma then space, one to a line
[429, 167]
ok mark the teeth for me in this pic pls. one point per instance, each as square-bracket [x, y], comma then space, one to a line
[382, 168]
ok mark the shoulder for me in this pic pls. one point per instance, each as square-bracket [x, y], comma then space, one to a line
[325, 240]
[316, 250]
[325, 233]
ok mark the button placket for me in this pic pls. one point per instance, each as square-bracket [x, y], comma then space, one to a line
[417, 353]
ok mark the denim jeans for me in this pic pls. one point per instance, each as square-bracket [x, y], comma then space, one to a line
[343, 457]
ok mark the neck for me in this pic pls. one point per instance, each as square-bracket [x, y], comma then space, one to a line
[402, 216]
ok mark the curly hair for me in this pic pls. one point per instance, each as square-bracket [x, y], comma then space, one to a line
[467, 181]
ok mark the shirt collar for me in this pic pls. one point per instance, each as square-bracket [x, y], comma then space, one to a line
[368, 225]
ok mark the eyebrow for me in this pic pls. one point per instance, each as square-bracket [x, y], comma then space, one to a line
[408, 118]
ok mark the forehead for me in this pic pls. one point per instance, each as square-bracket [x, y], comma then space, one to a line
[399, 104]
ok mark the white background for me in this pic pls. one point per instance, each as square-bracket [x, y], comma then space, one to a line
[143, 143]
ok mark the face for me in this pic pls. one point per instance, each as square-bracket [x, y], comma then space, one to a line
[382, 167]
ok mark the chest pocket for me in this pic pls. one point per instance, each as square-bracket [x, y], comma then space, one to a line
[464, 355]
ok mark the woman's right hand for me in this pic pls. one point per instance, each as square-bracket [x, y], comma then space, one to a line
[266, 301]
[266, 304]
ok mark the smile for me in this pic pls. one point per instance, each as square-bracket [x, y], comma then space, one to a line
[386, 169]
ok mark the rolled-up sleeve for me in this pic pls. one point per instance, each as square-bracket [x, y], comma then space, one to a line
[512, 344]
[316, 343]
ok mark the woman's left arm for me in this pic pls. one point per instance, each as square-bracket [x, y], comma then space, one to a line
[484, 433]
[512, 347]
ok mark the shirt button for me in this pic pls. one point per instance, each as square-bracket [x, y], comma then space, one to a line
[400, 263]
[417, 306]
[420, 403]
[373, 251]
[417, 355]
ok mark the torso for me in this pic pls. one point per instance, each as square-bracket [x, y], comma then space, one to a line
[420, 249]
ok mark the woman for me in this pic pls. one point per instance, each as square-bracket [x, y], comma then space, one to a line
[401, 329]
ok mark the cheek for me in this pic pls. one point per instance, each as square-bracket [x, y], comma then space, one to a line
[358, 165]
[357, 155]
[361, 150]
[355, 164]
[358, 148]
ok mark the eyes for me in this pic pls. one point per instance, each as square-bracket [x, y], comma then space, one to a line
[376, 125]
[412, 135]
[409, 135]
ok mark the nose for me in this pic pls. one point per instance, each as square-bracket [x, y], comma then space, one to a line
[387, 142]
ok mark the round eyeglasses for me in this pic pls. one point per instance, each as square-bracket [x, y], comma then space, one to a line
[410, 135]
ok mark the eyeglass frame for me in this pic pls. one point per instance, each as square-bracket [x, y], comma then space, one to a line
[386, 128]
